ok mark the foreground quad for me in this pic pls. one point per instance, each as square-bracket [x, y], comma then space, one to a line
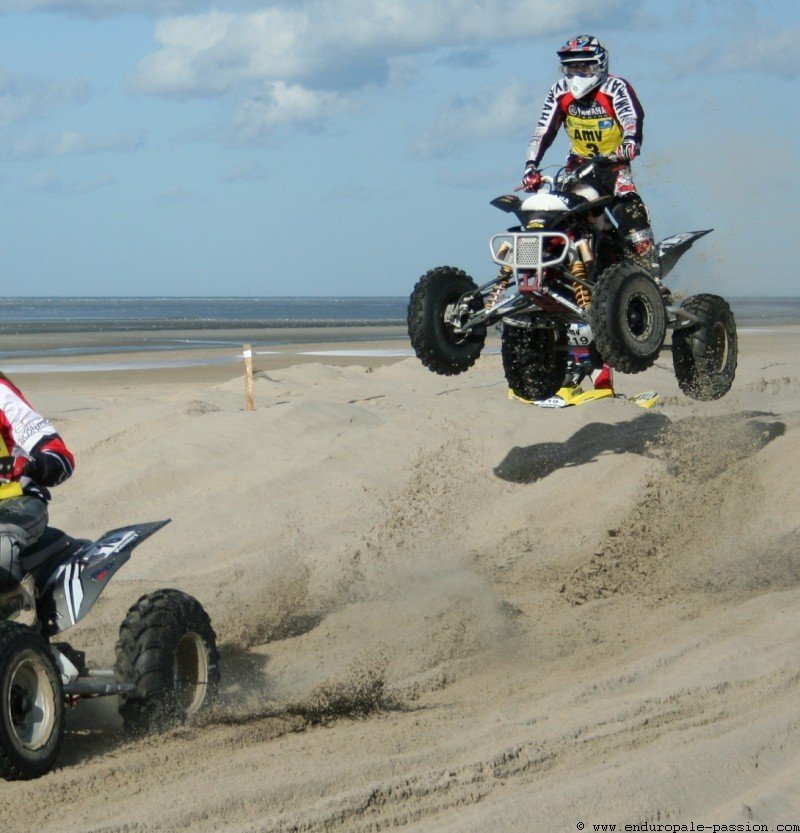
[167, 662]
[566, 280]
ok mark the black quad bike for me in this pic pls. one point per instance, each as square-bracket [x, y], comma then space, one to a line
[566, 280]
[167, 665]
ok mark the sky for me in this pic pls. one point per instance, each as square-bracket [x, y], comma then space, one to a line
[345, 147]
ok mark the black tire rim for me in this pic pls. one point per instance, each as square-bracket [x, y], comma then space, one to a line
[31, 704]
[639, 317]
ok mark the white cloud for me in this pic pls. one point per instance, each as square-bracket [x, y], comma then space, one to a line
[45, 182]
[176, 195]
[332, 41]
[771, 52]
[302, 62]
[488, 114]
[283, 103]
[73, 143]
[100, 8]
[246, 172]
[24, 97]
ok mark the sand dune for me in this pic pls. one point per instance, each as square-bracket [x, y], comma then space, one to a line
[443, 610]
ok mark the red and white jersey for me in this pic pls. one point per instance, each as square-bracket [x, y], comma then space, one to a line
[596, 124]
[24, 432]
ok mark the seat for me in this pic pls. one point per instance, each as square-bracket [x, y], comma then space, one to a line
[52, 543]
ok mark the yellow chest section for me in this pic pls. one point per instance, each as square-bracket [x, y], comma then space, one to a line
[593, 136]
[8, 490]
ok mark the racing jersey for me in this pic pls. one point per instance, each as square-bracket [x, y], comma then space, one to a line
[24, 432]
[596, 124]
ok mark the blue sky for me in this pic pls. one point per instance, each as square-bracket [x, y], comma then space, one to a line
[343, 147]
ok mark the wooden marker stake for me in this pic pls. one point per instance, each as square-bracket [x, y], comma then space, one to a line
[248, 377]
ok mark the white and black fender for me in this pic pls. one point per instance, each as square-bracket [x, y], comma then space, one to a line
[82, 569]
[671, 249]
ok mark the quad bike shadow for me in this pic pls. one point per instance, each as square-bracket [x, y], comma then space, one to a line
[703, 445]
[532, 463]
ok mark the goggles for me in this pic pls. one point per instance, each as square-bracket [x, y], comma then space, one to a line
[584, 70]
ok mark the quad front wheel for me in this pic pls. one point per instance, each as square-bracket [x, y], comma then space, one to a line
[704, 355]
[629, 320]
[439, 303]
[167, 649]
[31, 704]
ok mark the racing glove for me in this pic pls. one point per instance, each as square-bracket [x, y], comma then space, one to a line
[628, 151]
[50, 463]
[531, 179]
[12, 468]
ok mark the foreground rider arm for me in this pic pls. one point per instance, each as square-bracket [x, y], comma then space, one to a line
[49, 464]
[547, 127]
[32, 448]
[630, 115]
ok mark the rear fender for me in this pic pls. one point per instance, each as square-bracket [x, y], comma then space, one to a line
[78, 582]
[671, 249]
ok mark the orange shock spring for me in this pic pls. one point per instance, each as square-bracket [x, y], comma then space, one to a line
[583, 297]
[497, 292]
[503, 278]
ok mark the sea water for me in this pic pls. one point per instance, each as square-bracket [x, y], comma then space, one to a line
[87, 314]
[353, 317]
[94, 314]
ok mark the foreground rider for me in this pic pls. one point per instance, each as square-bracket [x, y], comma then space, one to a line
[32, 458]
[602, 117]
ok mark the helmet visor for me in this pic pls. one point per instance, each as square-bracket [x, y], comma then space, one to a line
[579, 70]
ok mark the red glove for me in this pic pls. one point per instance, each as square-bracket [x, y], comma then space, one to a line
[12, 468]
[531, 179]
[628, 151]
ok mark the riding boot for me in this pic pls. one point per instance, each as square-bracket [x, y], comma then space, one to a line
[643, 250]
[604, 378]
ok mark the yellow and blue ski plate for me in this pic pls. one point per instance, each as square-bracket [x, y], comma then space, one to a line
[565, 397]
[645, 399]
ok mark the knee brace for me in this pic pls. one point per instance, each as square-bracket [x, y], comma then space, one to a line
[631, 216]
[10, 563]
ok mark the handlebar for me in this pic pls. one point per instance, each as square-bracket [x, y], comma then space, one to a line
[600, 161]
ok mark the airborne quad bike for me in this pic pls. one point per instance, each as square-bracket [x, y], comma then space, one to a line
[166, 657]
[565, 282]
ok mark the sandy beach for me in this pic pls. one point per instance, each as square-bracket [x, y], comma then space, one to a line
[495, 617]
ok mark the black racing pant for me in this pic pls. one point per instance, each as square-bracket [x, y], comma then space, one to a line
[628, 210]
[23, 521]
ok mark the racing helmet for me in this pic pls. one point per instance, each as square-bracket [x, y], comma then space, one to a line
[584, 62]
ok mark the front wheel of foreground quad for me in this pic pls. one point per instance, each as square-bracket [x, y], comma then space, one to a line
[432, 309]
[534, 361]
[704, 355]
[31, 704]
[167, 649]
[629, 320]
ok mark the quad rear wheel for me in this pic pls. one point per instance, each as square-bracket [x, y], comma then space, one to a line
[534, 360]
[31, 704]
[167, 649]
[705, 354]
[434, 306]
[629, 320]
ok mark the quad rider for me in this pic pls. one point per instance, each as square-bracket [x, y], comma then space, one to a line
[602, 117]
[32, 458]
